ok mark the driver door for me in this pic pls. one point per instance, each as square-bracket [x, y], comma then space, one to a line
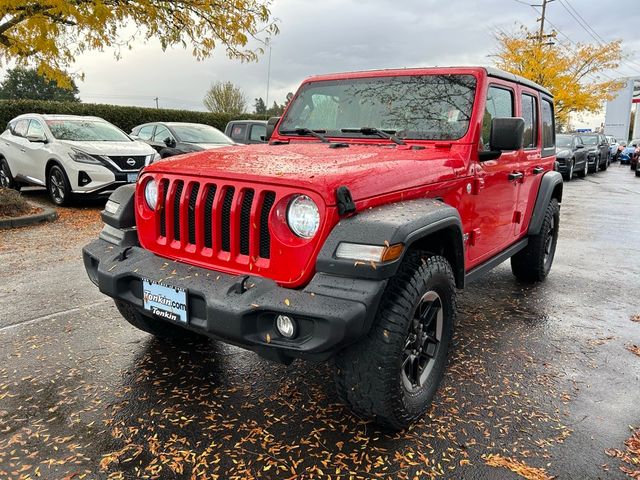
[497, 185]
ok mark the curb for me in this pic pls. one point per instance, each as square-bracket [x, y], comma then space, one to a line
[46, 215]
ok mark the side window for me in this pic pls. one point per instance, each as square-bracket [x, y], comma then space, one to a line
[499, 104]
[530, 115]
[548, 129]
[145, 132]
[238, 131]
[21, 128]
[162, 133]
[257, 132]
[35, 129]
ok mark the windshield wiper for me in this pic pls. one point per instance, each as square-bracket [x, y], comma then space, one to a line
[309, 132]
[375, 131]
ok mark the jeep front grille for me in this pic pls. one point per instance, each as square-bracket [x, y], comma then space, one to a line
[210, 219]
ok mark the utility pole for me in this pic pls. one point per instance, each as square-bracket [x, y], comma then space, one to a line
[268, 76]
[156, 99]
[541, 34]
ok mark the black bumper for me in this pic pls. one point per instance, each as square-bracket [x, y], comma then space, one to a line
[331, 311]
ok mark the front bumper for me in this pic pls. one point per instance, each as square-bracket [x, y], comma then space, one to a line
[562, 165]
[331, 311]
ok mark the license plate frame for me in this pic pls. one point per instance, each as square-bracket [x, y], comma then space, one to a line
[165, 301]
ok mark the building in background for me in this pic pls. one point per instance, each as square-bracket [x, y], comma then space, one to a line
[618, 114]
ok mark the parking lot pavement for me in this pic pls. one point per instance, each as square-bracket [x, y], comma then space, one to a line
[541, 379]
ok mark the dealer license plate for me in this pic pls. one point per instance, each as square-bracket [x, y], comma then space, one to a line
[132, 177]
[164, 301]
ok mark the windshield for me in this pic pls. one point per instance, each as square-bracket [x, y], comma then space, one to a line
[83, 130]
[423, 107]
[563, 141]
[592, 140]
[200, 134]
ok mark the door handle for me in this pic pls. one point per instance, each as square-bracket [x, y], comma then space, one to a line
[538, 170]
[516, 176]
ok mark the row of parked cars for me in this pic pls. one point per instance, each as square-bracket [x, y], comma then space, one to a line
[88, 156]
[579, 154]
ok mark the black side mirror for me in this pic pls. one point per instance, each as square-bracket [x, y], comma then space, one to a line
[578, 147]
[170, 142]
[271, 126]
[506, 134]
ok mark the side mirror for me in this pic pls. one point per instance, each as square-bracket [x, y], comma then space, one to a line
[37, 138]
[506, 133]
[134, 137]
[271, 126]
[170, 142]
[578, 147]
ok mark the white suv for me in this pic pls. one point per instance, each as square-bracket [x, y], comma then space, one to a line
[70, 155]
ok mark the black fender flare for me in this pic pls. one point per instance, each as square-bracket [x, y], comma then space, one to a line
[119, 217]
[550, 187]
[409, 222]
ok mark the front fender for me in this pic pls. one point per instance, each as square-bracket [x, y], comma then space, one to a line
[550, 187]
[409, 222]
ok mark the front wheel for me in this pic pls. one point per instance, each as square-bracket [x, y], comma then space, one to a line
[393, 373]
[583, 173]
[58, 186]
[532, 263]
[569, 175]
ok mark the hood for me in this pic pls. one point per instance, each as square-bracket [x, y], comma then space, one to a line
[367, 170]
[111, 148]
[564, 153]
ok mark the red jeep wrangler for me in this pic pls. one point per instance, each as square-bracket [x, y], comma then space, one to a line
[379, 194]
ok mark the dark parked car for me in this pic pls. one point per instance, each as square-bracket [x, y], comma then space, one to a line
[173, 138]
[571, 156]
[247, 131]
[597, 151]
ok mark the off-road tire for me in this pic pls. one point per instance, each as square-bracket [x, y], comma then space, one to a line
[369, 374]
[6, 177]
[159, 328]
[58, 188]
[532, 264]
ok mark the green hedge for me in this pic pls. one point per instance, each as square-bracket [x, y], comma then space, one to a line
[124, 117]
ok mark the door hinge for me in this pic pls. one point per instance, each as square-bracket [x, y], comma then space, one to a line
[517, 217]
[478, 184]
[473, 236]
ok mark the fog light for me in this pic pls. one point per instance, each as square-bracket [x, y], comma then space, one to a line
[286, 326]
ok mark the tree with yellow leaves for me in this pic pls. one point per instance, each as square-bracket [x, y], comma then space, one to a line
[579, 77]
[48, 34]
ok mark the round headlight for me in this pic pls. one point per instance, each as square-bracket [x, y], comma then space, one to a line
[151, 194]
[303, 216]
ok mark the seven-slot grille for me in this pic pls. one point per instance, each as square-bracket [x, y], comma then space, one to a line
[209, 218]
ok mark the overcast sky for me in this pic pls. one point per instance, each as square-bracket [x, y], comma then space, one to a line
[342, 35]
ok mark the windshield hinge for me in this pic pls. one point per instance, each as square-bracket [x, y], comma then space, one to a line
[344, 201]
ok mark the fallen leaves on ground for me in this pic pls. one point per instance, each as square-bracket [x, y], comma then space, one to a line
[635, 318]
[521, 468]
[630, 456]
[634, 349]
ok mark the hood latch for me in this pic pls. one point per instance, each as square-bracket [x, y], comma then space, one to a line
[345, 201]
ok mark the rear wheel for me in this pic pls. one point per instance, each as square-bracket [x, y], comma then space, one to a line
[6, 178]
[393, 373]
[532, 264]
[58, 186]
[158, 328]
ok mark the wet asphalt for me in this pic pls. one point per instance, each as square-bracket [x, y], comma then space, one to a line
[540, 384]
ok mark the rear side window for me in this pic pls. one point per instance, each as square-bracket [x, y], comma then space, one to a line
[530, 115]
[257, 132]
[238, 131]
[499, 104]
[145, 132]
[21, 127]
[548, 129]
